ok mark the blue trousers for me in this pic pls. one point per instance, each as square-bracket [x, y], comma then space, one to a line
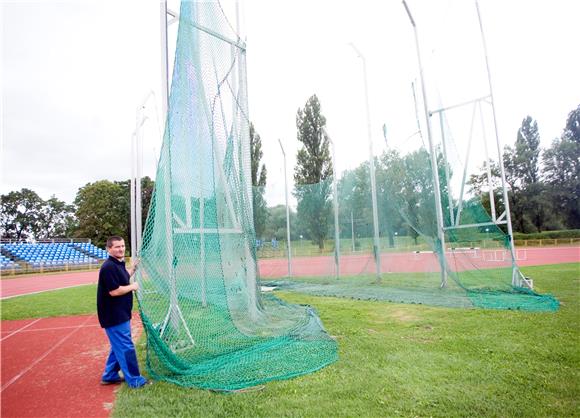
[122, 356]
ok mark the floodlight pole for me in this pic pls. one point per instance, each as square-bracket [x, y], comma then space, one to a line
[376, 243]
[437, 191]
[132, 197]
[288, 245]
[516, 275]
[335, 204]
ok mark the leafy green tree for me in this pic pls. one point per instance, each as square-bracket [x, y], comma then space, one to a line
[479, 186]
[530, 207]
[355, 210]
[259, 174]
[20, 214]
[562, 171]
[56, 220]
[276, 223]
[389, 183]
[102, 209]
[527, 152]
[147, 187]
[313, 172]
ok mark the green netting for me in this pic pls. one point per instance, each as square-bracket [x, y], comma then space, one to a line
[207, 323]
[475, 267]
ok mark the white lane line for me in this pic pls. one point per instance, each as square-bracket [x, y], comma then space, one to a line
[20, 329]
[38, 360]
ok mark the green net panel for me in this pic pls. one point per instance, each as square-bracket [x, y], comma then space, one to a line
[472, 264]
[477, 260]
[207, 323]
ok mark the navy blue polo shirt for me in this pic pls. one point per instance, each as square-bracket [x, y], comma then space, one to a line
[113, 310]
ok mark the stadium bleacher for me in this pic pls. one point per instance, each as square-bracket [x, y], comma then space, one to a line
[8, 264]
[51, 255]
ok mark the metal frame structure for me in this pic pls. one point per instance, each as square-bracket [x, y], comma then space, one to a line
[288, 245]
[376, 241]
[518, 278]
[437, 189]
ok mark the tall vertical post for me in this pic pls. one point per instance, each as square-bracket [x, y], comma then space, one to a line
[132, 198]
[288, 245]
[139, 163]
[516, 281]
[335, 204]
[437, 190]
[164, 60]
[352, 230]
[376, 242]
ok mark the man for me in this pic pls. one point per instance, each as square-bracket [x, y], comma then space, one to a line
[114, 306]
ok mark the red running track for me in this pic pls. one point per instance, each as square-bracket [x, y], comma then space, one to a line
[408, 262]
[403, 262]
[34, 284]
[51, 367]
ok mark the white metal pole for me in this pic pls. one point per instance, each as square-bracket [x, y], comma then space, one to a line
[289, 247]
[335, 204]
[164, 60]
[138, 160]
[352, 230]
[132, 199]
[515, 273]
[376, 243]
[437, 190]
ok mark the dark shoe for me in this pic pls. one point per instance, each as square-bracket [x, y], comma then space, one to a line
[112, 382]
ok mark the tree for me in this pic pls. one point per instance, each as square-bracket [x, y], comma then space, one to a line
[276, 223]
[260, 210]
[25, 215]
[20, 214]
[527, 152]
[355, 210]
[529, 205]
[562, 171]
[479, 186]
[102, 209]
[313, 171]
[56, 220]
[147, 187]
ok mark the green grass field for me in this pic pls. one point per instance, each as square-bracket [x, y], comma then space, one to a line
[395, 360]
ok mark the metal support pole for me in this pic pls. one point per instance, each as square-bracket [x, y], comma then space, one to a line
[447, 176]
[132, 199]
[352, 230]
[288, 244]
[376, 242]
[335, 204]
[137, 195]
[437, 190]
[164, 61]
[516, 275]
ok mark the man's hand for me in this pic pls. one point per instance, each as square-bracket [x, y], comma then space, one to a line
[123, 290]
[134, 266]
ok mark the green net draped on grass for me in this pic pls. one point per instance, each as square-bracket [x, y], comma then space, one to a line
[207, 323]
[477, 259]
[449, 247]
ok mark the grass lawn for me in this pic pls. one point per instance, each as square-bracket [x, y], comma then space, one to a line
[397, 360]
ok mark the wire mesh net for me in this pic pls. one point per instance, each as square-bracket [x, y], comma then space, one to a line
[441, 219]
[207, 323]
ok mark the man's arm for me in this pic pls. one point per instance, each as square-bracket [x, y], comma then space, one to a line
[133, 267]
[123, 290]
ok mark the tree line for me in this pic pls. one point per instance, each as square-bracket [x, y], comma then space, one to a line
[543, 187]
[543, 190]
[100, 209]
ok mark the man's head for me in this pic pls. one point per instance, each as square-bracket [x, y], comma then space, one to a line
[116, 247]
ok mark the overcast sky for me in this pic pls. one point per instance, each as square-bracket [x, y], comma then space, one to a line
[74, 72]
